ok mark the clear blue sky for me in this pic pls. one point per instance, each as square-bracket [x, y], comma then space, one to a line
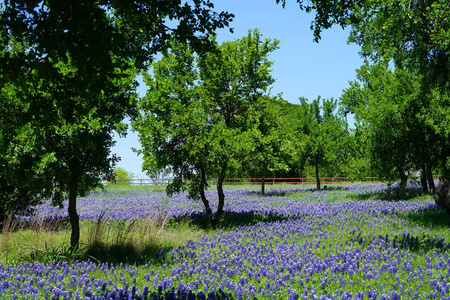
[301, 67]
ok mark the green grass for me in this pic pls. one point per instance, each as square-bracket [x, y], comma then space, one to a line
[139, 242]
[132, 242]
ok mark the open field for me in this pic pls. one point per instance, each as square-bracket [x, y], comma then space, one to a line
[353, 242]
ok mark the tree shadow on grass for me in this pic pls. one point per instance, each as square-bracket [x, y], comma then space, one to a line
[423, 243]
[230, 220]
[172, 294]
[389, 195]
[126, 253]
[102, 253]
[430, 217]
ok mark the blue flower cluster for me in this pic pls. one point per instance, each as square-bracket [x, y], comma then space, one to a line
[141, 203]
[323, 249]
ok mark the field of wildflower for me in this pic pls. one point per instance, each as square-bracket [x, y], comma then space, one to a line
[352, 242]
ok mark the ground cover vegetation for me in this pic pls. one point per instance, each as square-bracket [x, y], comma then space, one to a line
[352, 242]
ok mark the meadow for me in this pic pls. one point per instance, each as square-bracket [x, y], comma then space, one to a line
[349, 242]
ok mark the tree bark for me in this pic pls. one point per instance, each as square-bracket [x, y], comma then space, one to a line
[72, 210]
[423, 179]
[430, 177]
[445, 156]
[403, 182]
[220, 194]
[206, 204]
[203, 196]
[317, 177]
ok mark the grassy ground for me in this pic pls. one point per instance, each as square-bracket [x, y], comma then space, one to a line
[136, 242]
[344, 242]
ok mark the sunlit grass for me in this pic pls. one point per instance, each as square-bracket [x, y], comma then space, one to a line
[102, 240]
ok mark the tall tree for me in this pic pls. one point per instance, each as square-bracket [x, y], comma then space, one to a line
[200, 115]
[122, 176]
[273, 144]
[67, 75]
[323, 131]
[390, 105]
[413, 34]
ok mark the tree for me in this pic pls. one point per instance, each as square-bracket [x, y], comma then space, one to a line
[411, 34]
[390, 107]
[68, 72]
[273, 143]
[200, 115]
[122, 175]
[323, 132]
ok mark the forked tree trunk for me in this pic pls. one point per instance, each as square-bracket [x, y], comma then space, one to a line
[317, 177]
[403, 182]
[206, 204]
[220, 195]
[203, 196]
[423, 179]
[430, 177]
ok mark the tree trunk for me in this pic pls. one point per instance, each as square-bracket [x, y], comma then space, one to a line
[72, 210]
[263, 192]
[206, 204]
[423, 179]
[430, 177]
[203, 196]
[317, 177]
[220, 195]
[403, 182]
[445, 156]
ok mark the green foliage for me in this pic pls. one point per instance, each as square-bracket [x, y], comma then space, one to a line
[324, 135]
[393, 114]
[411, 35]
[67, 81]
[201, 114]
[122, 174]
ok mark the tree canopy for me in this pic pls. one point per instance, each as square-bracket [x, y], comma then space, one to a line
[68, 77]
[200, 115]
[410, 34]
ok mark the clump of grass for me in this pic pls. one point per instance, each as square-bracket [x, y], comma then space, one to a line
[129, 241]
[29, 240]
[124, 241]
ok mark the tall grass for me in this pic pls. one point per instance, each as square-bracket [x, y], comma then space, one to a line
[103, 240]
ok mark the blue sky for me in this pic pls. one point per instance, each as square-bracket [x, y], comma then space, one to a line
[301, 67]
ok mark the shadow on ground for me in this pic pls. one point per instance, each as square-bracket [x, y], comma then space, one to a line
[428, 218]
[389, 195]
[126, 253]
[433, 217]
[230, 220]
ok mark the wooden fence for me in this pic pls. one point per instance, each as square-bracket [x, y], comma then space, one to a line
[309, 180]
